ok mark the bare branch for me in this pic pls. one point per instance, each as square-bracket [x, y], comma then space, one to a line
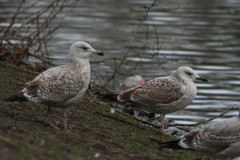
[15, 15]
[129, 45]
[202, 121]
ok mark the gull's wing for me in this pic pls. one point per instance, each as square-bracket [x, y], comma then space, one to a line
[57, 84]
[157, 91]
[220, 138]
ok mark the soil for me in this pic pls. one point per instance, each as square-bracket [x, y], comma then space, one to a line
[94, 132]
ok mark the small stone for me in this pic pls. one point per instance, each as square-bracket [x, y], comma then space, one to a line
[42, 142]
[97, 155]
[112, 110]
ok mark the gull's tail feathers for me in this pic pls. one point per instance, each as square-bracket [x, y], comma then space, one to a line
[125, 95]
[17, 97]
[170, 144]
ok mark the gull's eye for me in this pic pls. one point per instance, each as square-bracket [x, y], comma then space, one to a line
[85, 48]
[188, 73]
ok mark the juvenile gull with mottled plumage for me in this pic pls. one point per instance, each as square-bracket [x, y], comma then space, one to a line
[165, 95]
[61, 86]
[219, 139]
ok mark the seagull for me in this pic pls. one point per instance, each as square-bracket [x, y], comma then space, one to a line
[165, 95]
[132, 81]
[218, 139]
[61, 86]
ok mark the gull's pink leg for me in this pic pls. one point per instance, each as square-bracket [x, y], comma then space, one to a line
[49, 117]
[162, 123]
[49, 114]
[65, 119]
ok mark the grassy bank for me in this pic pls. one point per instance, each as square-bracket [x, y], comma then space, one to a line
[94, 130]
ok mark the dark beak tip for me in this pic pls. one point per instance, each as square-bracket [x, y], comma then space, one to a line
[205, 80]
[101, 54]
[202, 79]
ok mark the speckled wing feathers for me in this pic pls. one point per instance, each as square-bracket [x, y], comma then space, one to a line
[220, 139]
[150, 97]
[125, 95]
[56, 85]
[157, 91]
[32, 89]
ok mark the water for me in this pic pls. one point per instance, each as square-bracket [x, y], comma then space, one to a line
[204, 35]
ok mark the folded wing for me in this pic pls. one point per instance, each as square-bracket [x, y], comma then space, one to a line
[54, 85]
[157, 91]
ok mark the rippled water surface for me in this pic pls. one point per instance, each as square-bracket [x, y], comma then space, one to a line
[204, 35]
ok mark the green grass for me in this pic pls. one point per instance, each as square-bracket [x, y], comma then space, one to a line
[25, 133]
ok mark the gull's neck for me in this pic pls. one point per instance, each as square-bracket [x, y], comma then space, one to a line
[80, 62]
[178, 78]
[77, 59]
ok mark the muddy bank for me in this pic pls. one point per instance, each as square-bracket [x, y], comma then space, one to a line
[95, 132]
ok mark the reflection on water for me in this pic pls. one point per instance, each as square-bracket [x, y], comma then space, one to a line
[204, 36]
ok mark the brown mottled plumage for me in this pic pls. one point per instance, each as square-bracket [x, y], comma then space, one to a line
[219, 139]
[165, 94]
[61, 86]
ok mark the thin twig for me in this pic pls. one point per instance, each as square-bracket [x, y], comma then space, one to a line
[114, 58]
[143, 121]
[31, 6]
[34, 37]
[40, 12]
[13, 19]
[202, 121]
[7, 48]
[133, 37]
[42, 58]
[156, 140]
[36, 56]
[44, 25]
[101, 87]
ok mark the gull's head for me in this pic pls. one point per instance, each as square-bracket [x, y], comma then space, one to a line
[82, 50]
[188, 74]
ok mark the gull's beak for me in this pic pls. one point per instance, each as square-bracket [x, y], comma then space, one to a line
[202, 79]
[100, 53]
